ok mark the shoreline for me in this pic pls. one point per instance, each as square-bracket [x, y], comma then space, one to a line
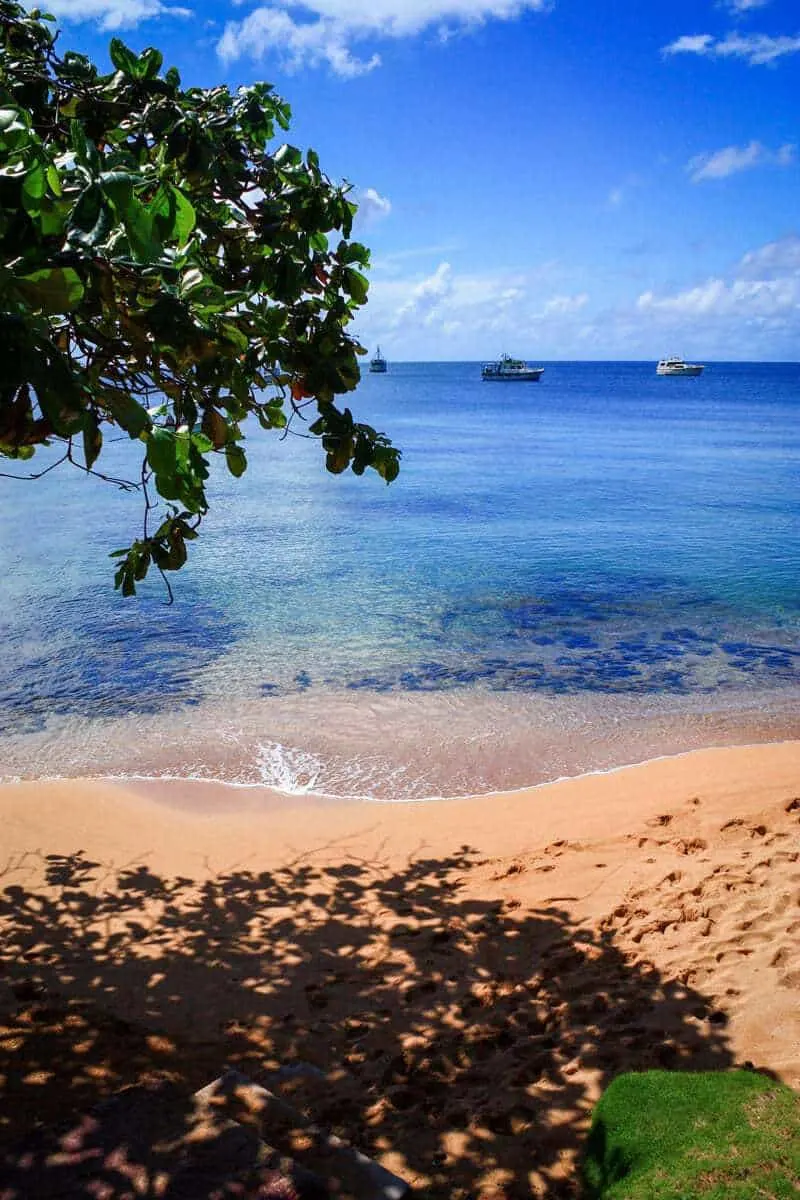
[466, 976]
[401, 747]
[299, 797]
[154, 783]
[740, 732]
[628, 789]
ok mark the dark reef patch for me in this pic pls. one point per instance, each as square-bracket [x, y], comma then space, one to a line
[103, 658]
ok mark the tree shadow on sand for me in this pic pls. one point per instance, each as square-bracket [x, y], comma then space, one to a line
[462, 1041]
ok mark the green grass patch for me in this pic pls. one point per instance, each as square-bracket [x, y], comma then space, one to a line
[714, 1135]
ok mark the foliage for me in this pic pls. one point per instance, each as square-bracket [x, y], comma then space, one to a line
[663, 1135]
[165, 274]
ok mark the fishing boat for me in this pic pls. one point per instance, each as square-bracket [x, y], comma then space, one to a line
[378, 364]
[676, 366]
[508, 368]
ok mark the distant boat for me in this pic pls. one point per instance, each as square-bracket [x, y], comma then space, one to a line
[378, 364]
[507, 368]
[676, 366]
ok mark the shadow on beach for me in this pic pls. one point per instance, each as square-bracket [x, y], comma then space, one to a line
[460, 1041]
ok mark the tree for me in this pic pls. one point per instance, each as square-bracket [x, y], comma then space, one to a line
[166, 274]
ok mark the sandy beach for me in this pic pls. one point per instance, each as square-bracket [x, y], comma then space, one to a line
[467, 975]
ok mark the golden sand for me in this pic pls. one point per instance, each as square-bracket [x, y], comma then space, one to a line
[467, 974]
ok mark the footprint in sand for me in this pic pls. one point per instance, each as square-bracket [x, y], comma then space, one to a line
[662, 819]
[691, 845]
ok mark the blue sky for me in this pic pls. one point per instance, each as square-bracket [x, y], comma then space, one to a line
[556, 178]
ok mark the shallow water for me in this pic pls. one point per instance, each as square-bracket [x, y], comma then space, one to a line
[567, 575]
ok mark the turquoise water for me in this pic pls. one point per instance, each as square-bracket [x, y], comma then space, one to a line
[566, 575]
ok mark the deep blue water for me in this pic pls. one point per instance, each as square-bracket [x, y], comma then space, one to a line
[602, 540]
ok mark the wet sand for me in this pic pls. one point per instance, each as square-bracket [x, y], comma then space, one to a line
[466, 974]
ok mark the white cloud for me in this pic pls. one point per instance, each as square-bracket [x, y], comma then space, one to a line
[311, 44]
[773, 261]
[743, 6]
[750, 312]
[372, 206]
[323, 32]
[753, 311]
[560, 305]
[695, 43]
[717, 297]
[427, 296]
[733, 159]
[447, 313]
[114, 14]
[758, 49]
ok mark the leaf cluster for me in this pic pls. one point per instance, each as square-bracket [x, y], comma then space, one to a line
[167, 271]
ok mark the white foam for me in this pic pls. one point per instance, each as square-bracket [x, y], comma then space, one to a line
[288, 769]
[300, 788]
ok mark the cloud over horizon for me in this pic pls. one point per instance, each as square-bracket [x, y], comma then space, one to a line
[454, 314]
[758, 301]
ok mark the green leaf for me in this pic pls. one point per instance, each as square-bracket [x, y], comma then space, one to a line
[357, 285]
[127, 412]
[168, 486]
[54, 180]
[91, 220]
[236, 460]
[172, 215]
[52, 290]
[118, 187]
[185, 216]
[79, 142]
[92, 439]
[139, 228]
[161, 452]
[149, 63]
[202, 444]
[123, 59]
[234, 335]
[158, 247]
[124, 577]
[140, 570]
[34, 187]
[287, 156]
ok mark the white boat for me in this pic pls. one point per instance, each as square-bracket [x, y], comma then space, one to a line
[378, 364]
[676, 366]
[508, 368]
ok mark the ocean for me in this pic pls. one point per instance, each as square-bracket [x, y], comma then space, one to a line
[566, 576]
